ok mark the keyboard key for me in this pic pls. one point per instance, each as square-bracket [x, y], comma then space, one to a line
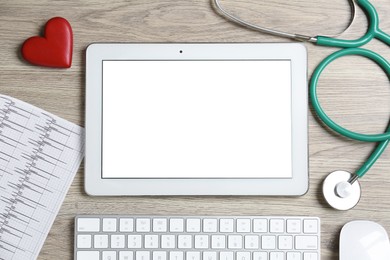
[234, 242]
[125, 255]
[151, 241]
[294, 226]
[310, 256]
[285, 242]
[176, 255]
[207, 255]
[260, 225]
[243, 225]
[142, 255]
[310, 226]
[109, 224]
[276, 256]
[126, 225]
[160, 225]
[306, 242]
[293, 256]
[88, 224]
[226, 225]
[134, 241]
[276, 225]
[251, 242]
[168, 241]
[176, 225]
[260, 256]
[159, 255]
[243, 256]
[193, 255]
[184, 241]
[143, 225]
[118, 241]
[88, 255]
[100, 241]
[201, 241]
[210, 225]
[226, 256]
[218, 242]
[268, 242]
[84, 241]
[193, 225]
[109, 255]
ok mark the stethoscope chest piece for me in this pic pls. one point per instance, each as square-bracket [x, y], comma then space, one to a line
[339, 193]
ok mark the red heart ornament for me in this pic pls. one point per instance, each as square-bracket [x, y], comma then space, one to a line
[54, 49]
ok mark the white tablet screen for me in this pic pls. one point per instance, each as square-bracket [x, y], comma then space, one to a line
[196, 119]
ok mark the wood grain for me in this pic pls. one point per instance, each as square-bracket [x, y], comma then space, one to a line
[354, 91]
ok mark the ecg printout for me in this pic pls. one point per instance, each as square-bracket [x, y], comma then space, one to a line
[39, 155]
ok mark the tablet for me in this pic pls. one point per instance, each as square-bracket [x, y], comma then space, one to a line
[196, 119]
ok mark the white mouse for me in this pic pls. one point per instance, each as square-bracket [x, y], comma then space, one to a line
[364, 240]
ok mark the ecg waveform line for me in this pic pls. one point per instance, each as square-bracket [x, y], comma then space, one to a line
[39, 156]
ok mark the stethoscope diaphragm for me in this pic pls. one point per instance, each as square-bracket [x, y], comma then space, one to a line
[339, 192]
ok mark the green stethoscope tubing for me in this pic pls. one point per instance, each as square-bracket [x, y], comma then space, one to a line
[373, 31]
[383, 138]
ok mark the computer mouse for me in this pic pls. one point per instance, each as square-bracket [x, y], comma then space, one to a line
[364, 240]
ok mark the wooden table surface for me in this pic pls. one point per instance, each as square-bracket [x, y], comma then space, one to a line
[353, 90]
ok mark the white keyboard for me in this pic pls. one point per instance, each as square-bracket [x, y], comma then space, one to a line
[120, 237]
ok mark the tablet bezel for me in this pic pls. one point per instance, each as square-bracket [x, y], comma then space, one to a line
[97, 186]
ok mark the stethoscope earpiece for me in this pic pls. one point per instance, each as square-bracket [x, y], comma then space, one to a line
[340, 192]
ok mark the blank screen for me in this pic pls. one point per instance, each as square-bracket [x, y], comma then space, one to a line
[196, 119]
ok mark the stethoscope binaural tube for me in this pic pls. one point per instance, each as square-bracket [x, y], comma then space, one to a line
[373, 30]
[295, 36]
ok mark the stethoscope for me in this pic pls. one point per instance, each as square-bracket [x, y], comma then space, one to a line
[341, 189]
